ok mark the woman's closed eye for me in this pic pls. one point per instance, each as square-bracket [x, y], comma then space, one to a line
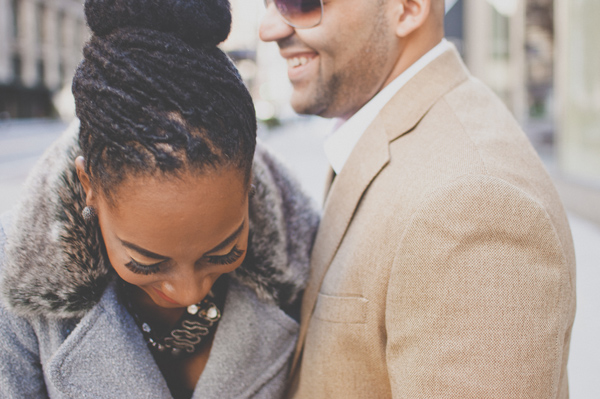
[146, 269]
[227, 259]
[141, 268]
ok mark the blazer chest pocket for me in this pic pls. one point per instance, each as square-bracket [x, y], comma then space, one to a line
[341, 309]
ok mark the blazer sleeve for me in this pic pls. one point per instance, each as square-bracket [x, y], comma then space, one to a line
[480, 301]
[20, 370]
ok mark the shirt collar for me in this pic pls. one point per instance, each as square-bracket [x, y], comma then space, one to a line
[339, 145]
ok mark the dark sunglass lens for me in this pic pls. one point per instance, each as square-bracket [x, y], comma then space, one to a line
[300, 13]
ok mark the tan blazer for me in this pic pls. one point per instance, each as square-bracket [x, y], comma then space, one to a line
[444, 265]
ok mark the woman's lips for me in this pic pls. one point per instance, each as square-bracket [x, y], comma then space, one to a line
[166, 298]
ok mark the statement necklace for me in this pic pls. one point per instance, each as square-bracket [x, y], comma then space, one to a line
[193, 329]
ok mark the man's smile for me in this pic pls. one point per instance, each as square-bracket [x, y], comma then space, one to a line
[300, 63]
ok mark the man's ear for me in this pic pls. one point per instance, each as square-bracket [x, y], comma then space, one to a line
[410, 15]
[84, 179]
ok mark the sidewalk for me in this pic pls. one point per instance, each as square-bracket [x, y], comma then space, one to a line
[584, 360]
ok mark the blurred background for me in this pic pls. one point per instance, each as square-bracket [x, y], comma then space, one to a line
[542, 57]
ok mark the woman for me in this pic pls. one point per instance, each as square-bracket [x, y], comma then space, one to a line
[154, 254]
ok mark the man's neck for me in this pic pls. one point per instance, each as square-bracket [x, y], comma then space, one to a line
[340, 144]
[409, 56]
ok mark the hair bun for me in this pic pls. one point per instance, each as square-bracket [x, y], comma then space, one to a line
[198, 22]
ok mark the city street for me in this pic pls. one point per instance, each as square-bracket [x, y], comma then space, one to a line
[298, 144]
[21, 144]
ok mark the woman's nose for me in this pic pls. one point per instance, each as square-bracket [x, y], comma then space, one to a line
[273, 27]
[187, 290]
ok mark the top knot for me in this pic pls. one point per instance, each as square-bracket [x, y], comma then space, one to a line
[198, 22]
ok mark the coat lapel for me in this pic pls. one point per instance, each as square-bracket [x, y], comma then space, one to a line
[251, 349]
[121, 363]
[400, 115]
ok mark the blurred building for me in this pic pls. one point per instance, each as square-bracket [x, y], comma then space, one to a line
[260, 64]
[40, 47]
[578, 90]
[542, 57]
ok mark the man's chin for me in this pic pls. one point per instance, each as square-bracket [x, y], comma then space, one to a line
[305, 104]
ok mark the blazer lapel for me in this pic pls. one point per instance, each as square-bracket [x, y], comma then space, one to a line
[406, 109]
[121, 363]
[400, 115]
[369, 156]
[328, 183]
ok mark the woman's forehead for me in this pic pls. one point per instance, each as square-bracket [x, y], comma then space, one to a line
[157, 212]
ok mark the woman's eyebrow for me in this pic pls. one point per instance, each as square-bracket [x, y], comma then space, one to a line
[152, 255]
[143, 251]
[229, 239]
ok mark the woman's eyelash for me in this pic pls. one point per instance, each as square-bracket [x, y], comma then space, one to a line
[231, 257]
[146, 270]
[138, 268]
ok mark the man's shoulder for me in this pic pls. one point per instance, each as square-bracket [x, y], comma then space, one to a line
[468, 131]
[478, 108]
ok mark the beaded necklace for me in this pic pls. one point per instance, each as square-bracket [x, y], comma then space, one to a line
[193, 329]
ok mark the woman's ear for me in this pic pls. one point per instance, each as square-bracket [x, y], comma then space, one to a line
[84, 179]
[410, 15]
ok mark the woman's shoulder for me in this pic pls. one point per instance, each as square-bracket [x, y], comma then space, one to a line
[15, 329]
[283, 224]
[5, 224]
[281, 189]
[51, 261]
[5, 221]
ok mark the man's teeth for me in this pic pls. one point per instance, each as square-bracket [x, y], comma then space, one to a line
[297, 61]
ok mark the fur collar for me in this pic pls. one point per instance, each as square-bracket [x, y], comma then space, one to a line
[53, 267]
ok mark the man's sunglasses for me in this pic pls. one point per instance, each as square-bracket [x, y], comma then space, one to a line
[299, 13]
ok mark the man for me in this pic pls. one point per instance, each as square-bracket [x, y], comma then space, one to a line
[444, 264]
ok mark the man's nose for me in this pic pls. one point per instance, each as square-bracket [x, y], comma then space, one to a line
[273, 27]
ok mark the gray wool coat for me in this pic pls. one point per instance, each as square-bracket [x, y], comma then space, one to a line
[64, 333]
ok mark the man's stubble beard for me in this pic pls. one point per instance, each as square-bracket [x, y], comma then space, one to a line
[350, 88]
[322, 98]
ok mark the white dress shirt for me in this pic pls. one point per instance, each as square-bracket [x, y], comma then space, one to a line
[341, 142]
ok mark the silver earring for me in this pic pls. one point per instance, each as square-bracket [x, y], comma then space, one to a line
[88, 213]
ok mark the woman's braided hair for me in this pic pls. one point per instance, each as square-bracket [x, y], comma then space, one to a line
[155, 95]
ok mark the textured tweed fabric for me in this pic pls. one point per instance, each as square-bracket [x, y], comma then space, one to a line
[444, 264]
